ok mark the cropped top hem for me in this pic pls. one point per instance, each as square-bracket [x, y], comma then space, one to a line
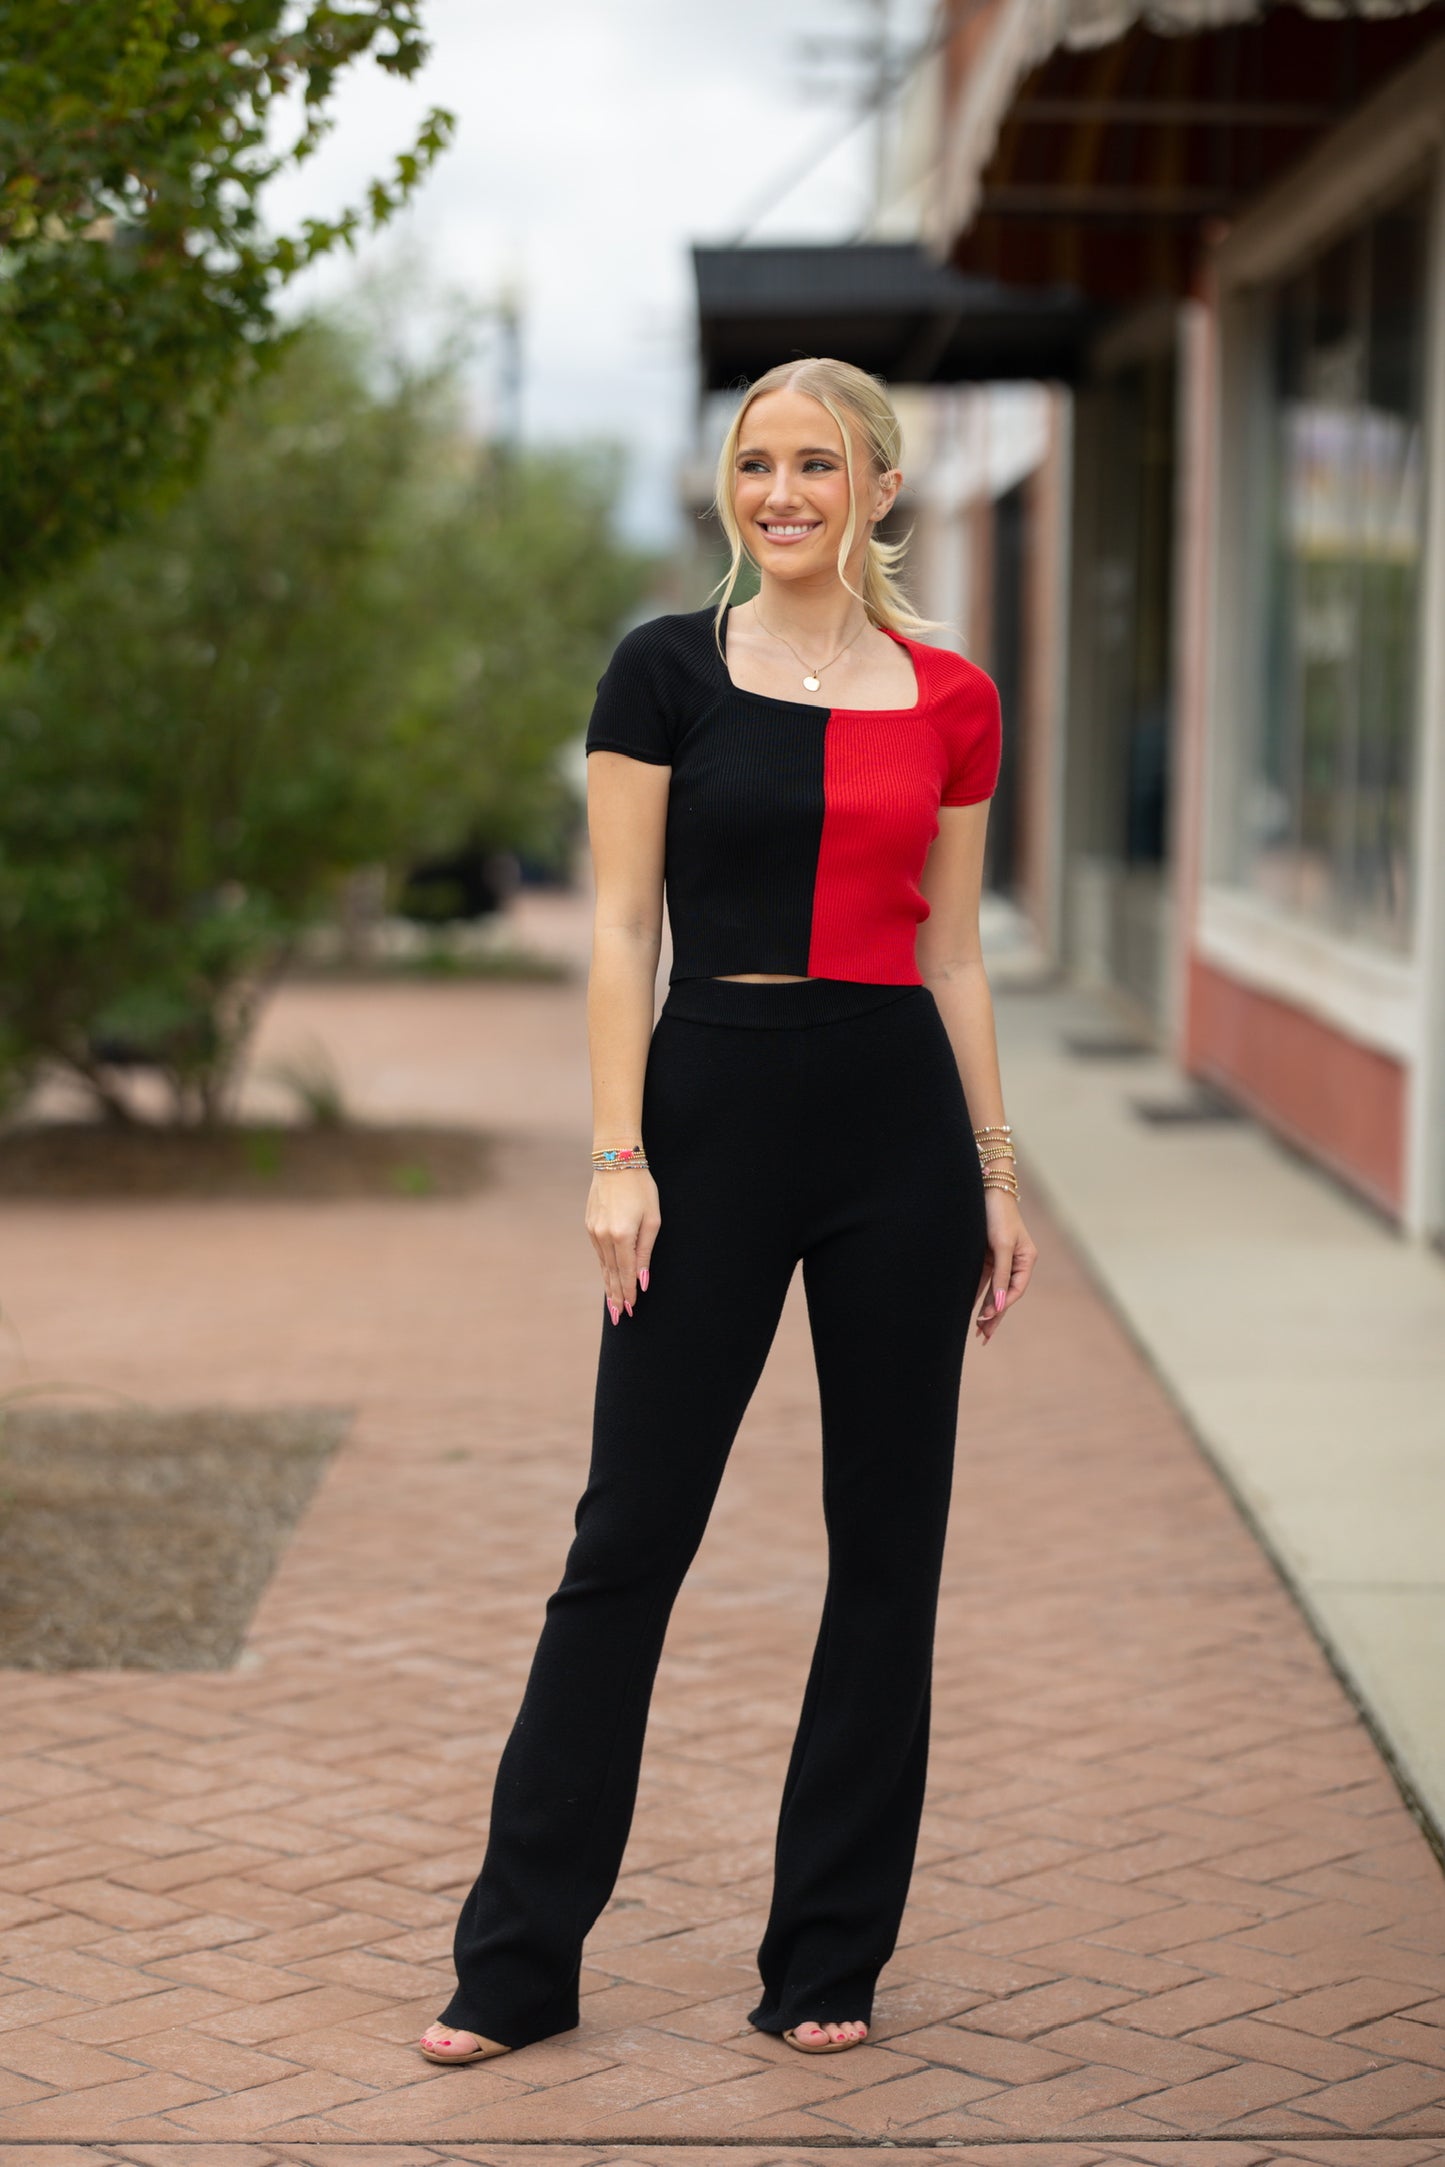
[796, 835]
[737, 971]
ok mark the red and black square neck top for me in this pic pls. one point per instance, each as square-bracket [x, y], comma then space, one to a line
[796, 835]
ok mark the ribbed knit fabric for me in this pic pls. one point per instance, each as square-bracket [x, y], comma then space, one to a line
[756, 1099]
[796, 835]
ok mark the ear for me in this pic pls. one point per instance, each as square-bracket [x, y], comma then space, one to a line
[885, 493]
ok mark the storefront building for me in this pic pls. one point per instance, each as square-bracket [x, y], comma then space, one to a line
[1250, 813]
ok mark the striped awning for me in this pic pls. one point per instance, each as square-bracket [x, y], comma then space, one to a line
[1090, 140]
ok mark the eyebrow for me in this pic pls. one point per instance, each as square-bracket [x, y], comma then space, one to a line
[808, 451]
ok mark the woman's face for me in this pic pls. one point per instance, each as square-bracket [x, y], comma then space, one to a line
[790, 488]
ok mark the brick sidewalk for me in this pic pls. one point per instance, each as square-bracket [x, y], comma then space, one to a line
[1168, 1906]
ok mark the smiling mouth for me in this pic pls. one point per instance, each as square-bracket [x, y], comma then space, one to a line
[789, 530]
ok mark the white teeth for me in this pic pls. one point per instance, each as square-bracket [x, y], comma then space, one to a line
[785, 530]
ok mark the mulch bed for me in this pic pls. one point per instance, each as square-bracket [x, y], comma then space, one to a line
[138, 1538]
[510, 965]
[89, 1160]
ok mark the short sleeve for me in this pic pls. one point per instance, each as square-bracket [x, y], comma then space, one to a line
[973, 734]
[630, 713]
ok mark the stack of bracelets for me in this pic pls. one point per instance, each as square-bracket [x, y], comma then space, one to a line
[994, 1141]
[617, 1160]
[996, 1156]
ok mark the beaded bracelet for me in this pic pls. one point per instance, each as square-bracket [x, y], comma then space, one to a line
[619, 1159]
[995, 1146]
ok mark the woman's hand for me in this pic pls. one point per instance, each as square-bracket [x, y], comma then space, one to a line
[1010, 1263]
[622, 1219]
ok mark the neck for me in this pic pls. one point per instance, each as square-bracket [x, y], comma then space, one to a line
[821, 617]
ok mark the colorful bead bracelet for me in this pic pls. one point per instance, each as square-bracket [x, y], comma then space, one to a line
[617, 1160]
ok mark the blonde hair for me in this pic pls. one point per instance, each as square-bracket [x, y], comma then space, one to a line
[847, 394]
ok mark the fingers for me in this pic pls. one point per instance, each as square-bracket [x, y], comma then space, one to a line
[623, 1229]
[613, 1285]
[613, 1254]
[1024, 1259]
[1006, 1274]
[1003, 1264]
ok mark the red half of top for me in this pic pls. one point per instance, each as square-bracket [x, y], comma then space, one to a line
[886, 773]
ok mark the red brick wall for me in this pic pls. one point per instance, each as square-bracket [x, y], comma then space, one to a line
[1341, 1101]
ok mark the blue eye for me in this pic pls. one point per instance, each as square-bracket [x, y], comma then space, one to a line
[754, 466]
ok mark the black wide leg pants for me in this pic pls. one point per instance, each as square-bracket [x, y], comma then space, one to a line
[821, 1121]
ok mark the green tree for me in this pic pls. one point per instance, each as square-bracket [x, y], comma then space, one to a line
[520, 574]
[358, 634]
[135, 275]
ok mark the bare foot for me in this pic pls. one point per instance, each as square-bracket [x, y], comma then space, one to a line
[814, 2034]
[449, 2044]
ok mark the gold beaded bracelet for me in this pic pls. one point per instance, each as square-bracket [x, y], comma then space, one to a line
[994, 1140]
[618, 1160]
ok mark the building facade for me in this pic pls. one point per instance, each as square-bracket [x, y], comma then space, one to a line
[1234, 719]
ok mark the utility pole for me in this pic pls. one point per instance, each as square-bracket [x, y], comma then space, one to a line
[506, 312]
[877, 66]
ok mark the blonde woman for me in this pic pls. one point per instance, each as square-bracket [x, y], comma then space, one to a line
[821, 1088]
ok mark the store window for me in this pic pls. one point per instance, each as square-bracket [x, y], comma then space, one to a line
[1325, 822]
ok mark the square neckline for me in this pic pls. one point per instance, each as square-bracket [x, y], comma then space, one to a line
[807, 707]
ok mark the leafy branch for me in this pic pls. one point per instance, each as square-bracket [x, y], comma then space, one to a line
[137, 280]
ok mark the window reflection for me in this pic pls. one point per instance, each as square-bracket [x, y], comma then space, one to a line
[1327, 814]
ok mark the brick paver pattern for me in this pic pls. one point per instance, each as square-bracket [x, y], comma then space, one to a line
[1168, 1904]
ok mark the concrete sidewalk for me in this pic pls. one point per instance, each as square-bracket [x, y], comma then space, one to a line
[1301, 1337]
[1169, 1906]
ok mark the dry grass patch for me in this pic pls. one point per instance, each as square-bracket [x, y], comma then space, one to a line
[81, 1159]
[142, 1538]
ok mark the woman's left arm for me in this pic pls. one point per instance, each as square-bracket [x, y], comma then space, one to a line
[950, 959]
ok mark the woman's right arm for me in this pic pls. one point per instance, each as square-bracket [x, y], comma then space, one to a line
[626, 826]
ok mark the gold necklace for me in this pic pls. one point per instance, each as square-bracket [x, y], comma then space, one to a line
[810, 676]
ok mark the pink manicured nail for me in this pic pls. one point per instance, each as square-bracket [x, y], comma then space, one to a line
[999, 1294]
[613, 1309]
[642, 1278]
[628, 1307]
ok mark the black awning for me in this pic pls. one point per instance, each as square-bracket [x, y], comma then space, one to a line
[885, 306]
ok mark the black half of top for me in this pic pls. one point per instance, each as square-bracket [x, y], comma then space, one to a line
[745, 808]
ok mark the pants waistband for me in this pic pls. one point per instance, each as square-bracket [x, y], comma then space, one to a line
[788, 1005]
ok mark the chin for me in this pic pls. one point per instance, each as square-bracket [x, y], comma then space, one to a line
[793, 563]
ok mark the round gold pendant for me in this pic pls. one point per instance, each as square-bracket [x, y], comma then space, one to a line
[810, 684]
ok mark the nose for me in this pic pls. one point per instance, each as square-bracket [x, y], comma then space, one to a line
[783, 491]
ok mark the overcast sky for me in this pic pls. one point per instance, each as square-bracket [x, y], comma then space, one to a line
[596, 139]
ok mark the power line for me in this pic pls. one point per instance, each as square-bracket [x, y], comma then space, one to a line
[892, 72]
[781, 188]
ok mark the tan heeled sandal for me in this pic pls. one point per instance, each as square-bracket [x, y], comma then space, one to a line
[822, 2046]
[484, 2051]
